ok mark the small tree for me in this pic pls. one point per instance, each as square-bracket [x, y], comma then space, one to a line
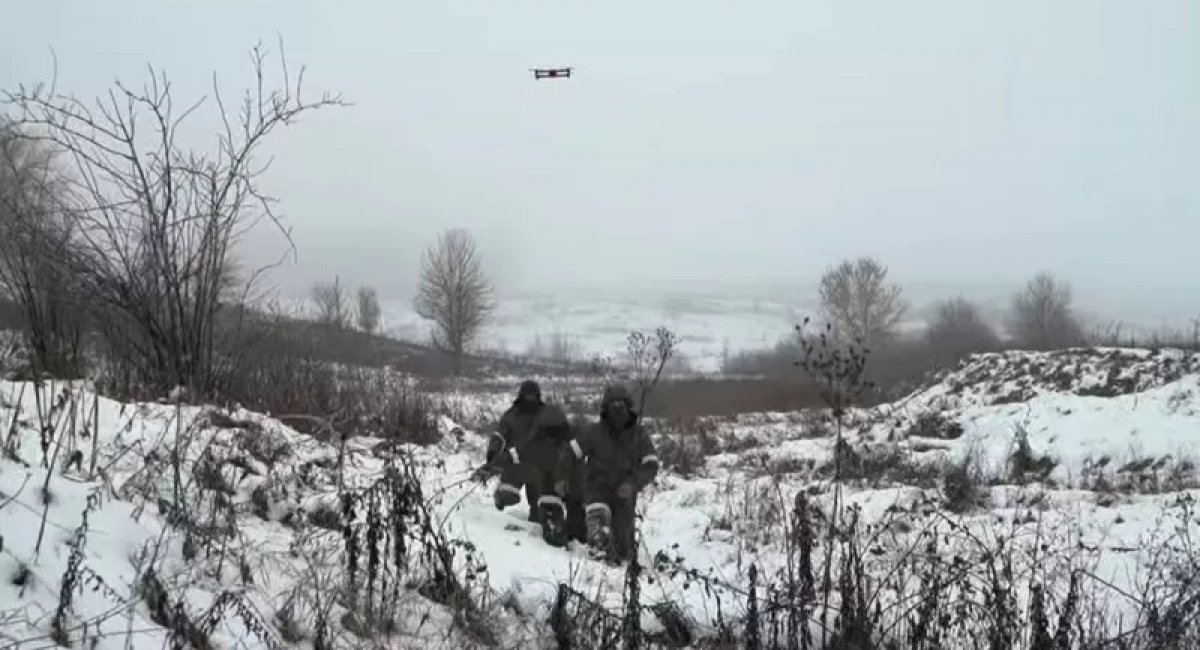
[957, 329]
[454, 293]
[35, 252]
[1041, 317]
[367, 310]
[332, 304]
[859, 302]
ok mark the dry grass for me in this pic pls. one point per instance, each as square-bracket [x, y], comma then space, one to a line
[685, 399]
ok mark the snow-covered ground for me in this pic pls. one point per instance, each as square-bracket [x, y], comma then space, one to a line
[263, 503]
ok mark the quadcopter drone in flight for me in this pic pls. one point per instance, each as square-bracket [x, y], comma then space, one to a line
[551, 73]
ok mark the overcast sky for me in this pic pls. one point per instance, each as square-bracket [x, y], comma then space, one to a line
[958, 141]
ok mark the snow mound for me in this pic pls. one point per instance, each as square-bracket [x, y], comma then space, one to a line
[1095, 415]
[1018, 376]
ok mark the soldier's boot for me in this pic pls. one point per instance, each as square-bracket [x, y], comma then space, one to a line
[508, 493]
[598, 520]
[554, 520]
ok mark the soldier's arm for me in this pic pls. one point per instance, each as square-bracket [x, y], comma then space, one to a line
[572, 455]
[499, 440]
[647, 468]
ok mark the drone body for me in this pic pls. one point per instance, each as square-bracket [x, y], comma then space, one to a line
[551, 73]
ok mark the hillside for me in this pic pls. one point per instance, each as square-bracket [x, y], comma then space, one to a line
[246, 544]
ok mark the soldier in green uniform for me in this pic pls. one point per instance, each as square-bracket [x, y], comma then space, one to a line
[616, 459]
[526, 448]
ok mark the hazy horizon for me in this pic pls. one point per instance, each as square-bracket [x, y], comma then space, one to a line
[966, 145]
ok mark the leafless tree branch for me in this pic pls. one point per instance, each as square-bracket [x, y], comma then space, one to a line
[154, 224]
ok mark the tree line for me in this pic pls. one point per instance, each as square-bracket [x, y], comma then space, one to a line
[863, 305]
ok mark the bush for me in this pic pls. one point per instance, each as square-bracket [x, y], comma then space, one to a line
[962, 483]
[1042, 316]
[934, 424]
[284, 374]
[958, 329]
[1024, 464]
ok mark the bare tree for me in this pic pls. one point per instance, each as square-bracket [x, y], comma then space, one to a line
[332, 304]
[860, 303]
[1041, 316]
[957, 329]
[454, 293]
[368, 312]
[35, 242]
[155, 223]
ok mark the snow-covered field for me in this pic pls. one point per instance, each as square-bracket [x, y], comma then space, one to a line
[262, 505]
[709, 326]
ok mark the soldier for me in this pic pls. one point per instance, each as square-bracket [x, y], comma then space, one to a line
[616, 459]
[526, 448]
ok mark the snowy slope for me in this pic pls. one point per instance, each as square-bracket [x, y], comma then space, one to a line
[1129, 412]
[280, 507]
[250, 548]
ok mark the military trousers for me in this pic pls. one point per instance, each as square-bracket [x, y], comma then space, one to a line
[538, 483]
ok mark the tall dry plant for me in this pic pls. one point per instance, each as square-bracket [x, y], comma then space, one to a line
[154, 221]
[648, 357]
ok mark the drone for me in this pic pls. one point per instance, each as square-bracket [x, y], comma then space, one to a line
[551, 73]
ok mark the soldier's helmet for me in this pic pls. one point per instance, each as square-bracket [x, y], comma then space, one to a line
[529, 389]
[615, 392]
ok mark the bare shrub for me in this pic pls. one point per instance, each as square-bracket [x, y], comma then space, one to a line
[1024, 464]
[648, 356]
[1178, 337]
[155, 223]
[367, 310]
[684, 445]
[454, 293]
[958, 329]
[285, 373]
[859, 301]
[963, 482]
[777, 360]
[35, 249]
[934, 424]
[1041, 316]
[332, 304]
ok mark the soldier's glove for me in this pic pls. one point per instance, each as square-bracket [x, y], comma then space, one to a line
[482, 474]
[625, 491]
[560, 488]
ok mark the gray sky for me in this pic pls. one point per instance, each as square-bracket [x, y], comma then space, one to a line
[959, 141]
